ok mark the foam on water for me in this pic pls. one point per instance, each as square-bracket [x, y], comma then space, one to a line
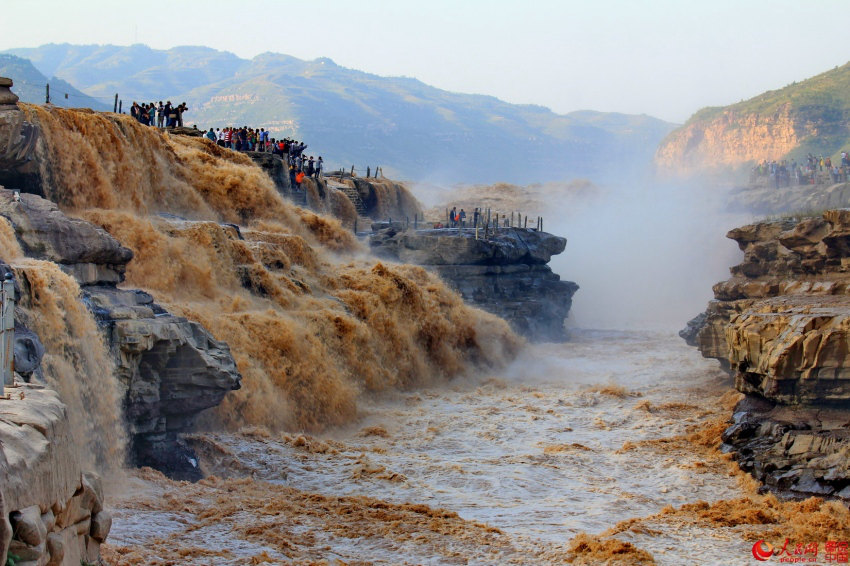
[571, 438]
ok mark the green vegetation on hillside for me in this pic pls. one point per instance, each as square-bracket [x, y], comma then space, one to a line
[822, 102]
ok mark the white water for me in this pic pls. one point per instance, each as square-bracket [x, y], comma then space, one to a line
[479, 448]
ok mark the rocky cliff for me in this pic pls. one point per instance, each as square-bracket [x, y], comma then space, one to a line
[781, 324]
[51, 511]
[505, 274]
[342, 196]
[812, 115]
[158, 264]
[169, 367]
[727, 140]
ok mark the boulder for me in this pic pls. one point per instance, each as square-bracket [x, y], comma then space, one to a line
[79, 247]
[27, 525]
[101, 523]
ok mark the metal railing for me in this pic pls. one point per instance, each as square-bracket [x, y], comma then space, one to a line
[482, 223]
[7, 331]
[485, 221]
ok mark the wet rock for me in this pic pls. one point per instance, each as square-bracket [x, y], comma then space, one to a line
[79, 247]
[505, 274]
[101, 523]
[691, 331]
[172, 369]
[275, 167]
[28, 351]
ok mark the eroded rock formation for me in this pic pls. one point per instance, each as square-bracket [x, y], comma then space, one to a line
[505, 274]
[781, 324]
[727, 140]
[171, 368]
[52, 511]
[346, 198]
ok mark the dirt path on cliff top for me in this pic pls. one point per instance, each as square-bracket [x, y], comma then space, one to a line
[600, 450]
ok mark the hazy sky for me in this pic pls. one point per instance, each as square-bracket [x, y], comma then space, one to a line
[666, 58]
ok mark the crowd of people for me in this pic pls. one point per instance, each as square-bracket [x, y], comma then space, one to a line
[238, 139]
[164, 115]
[809, 171]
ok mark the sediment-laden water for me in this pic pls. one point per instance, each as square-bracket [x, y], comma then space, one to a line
[597, 450]
[508, 468]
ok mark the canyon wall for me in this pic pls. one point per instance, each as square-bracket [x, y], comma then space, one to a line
[781, 324]
[808, 116]
[51, 511]
[728, 139]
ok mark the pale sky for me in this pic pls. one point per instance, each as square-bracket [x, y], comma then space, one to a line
[665, 58]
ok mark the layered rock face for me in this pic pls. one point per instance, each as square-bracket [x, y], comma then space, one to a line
[505, 274]
[50, 511]
[782, 326]
[345, 198]
[171, 368]
[728, 140]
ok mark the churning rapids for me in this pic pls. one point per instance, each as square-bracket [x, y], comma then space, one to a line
[572, 438]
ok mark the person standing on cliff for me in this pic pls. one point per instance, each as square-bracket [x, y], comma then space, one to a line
[452, 216]
[180, 110]
[462, 217]
[319, 166]
[160, 115]
[170, 115]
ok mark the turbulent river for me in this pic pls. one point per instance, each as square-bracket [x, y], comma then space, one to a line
[599, 435]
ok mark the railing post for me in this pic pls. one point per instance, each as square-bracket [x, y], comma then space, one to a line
[7, 353]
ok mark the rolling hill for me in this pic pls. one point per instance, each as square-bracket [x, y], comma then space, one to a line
[30, 86]
[412, 130]
[812, 115]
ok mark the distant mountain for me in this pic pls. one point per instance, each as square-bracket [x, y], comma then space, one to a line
[29, 85]
[803, 117]
[350, 117]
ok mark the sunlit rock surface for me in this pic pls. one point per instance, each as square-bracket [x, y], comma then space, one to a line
[54, 510]
[781, 324]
